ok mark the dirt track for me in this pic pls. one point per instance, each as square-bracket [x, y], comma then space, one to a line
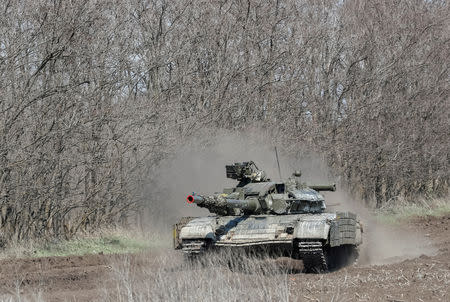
[87, 278]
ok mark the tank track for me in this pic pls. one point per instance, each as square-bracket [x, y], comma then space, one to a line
[312, 254]
[194, 247]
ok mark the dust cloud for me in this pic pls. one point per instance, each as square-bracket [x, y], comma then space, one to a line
[199, 166]
[382, 244]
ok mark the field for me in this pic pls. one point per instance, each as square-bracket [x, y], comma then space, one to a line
[160, 275]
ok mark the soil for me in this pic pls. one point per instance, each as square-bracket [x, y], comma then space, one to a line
[85, 278]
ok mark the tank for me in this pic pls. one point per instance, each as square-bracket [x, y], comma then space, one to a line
[286, 218]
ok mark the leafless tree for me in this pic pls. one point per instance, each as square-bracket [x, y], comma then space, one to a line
[95, 93]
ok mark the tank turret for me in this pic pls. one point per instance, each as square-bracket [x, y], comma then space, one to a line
[256, 194]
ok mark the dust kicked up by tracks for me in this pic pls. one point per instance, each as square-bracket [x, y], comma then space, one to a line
[144, 277]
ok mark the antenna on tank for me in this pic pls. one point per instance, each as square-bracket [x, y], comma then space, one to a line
[278, 162]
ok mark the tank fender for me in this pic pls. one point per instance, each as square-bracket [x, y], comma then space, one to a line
[199, 228]
[312, 229]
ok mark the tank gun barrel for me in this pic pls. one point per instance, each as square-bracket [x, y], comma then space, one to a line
[194, 198]
[219, 202]
[331, 187]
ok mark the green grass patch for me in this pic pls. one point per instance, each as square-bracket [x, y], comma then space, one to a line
[111, 244]
[401, 212]
[103, 242]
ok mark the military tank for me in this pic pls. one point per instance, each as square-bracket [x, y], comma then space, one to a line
[286, 218]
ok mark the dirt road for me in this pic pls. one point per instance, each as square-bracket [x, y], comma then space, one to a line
[92, 277]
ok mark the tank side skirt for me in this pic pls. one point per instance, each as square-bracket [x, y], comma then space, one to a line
[262, 242]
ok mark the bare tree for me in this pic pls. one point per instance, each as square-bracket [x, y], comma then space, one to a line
[96, 93]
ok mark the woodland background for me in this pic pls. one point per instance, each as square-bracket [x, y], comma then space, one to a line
[95, 94]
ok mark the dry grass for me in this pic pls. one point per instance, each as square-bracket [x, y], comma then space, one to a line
[168, 278]
[136, 278]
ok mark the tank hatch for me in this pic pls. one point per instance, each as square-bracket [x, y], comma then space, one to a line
[259, 188]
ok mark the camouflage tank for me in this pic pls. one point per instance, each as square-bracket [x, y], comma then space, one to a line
[275, 218]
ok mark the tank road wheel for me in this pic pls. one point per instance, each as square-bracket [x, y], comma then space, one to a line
[313, 256]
